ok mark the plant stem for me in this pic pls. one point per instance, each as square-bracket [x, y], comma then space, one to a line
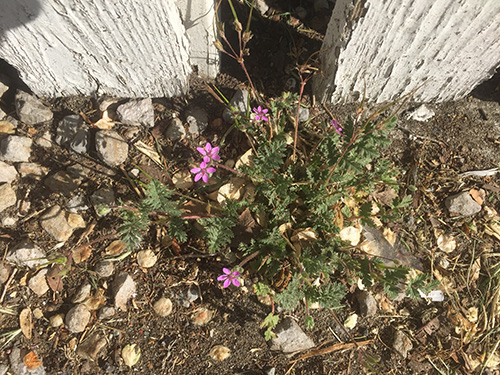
[249, 258]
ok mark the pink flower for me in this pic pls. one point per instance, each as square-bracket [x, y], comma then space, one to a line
[209, 152]
[260, 113]
[202, 172]
[338, 128]
[229, 277]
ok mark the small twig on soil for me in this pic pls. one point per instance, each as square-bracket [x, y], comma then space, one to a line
[7, 284]
[334, 348]
[131, 182]
[102, 238]
[112, 328]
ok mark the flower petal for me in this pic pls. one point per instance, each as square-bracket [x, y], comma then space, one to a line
[236, 282]
[216, 157]
[201, 150]
[222, 277]
[203, 165]
[206, 159]
[211, 170]
[215, 150]
[259, 108]
[227, 271]
[197, 177]
[195, 170]
[205, 178]
[257, 118]
[227, 282]
[208, 147]
[235, 274]
[265, 110]
[265, 118]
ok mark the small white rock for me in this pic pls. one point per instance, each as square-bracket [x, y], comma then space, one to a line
[56, 320]
[163, 307]
[77, 318]
[38, 283]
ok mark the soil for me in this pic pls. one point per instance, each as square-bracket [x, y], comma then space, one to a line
[462, 136]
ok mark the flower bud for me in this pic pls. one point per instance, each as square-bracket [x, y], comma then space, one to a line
[237, 26]
[218, 45]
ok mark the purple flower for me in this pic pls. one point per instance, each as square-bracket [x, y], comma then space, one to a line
[338, 128]
[229, 277]
[209, 152]
[260, 113]
[202, 172]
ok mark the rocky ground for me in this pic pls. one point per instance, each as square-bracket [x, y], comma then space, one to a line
[73, 300]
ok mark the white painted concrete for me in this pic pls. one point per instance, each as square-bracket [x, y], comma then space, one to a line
[198, 17]
[394, 46]
[122, 48]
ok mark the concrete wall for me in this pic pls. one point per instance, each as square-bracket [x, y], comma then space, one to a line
[390, 47]
[122, 48]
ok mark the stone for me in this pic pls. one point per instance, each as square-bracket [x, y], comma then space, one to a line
[56, 320]
[402, 344]
[163, 307]
[31, 170]
[5, 269]
[38, 283]
[90, 348]
[197, 120]
[31, 110]
[462, 204]
[7, 197]
[239, 102]
[15, 148]
[45, 140]
[6, 127]
[137, 112]
[82, 293]
[111, 147]
[303, 114]
[77, 318]
[59, 224]
[104, 269]
[9, 221]
[26, 254]
[146, 258]
[17, 366]
[102, 199]
[72, 132]
[78, 172]
[62, 183]
[421, 114]
[290, 338]
[122, 289]
[367, 303]
[106, 312]
[175, 130]
[192, 294]
[77, 203]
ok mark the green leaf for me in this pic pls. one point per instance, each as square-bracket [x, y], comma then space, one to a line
[309, 322]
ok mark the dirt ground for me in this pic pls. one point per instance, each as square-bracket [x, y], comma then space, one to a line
[445, 336]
